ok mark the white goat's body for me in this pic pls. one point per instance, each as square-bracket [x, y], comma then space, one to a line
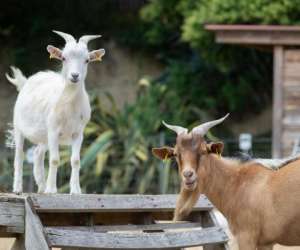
[53, 109]
[48, 112]
[45, 102]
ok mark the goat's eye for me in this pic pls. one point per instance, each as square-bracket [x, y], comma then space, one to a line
[63, 58]
[87, 61]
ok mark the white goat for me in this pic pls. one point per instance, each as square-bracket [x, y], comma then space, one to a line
[53, 109]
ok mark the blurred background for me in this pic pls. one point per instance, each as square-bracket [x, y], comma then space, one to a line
[160, 64]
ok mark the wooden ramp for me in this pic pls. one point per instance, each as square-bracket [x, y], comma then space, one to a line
[43, 221]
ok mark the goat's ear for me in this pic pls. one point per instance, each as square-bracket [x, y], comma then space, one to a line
[163, 153]
[96, 55]
[215, 147]
[54, 52]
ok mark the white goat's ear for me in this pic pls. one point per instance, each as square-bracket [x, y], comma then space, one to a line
[54, 52]
[96, 55]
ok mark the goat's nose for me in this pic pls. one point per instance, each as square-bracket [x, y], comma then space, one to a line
[75, 75]
[187, 173]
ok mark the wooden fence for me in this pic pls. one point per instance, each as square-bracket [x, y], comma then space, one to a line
[41, 222]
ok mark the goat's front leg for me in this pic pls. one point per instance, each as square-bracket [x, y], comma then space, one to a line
[18, 161]
[75, 163]
[185, 202]
[246, 241]
[53, 143]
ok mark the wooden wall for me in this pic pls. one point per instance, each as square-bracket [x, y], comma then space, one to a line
[291, 99]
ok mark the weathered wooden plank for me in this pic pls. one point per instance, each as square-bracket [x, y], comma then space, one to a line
[292, 121]
[110, 203]
[267, 38]
[166, 240]
[292, 55]
[35, 237]
[288, 140]
[277, 101]
[291, 81]
[149, 228]
[292, 70]
[11, 216]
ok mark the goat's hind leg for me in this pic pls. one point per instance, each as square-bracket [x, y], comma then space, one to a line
[18, 161]
[246, 241]
[39, 168]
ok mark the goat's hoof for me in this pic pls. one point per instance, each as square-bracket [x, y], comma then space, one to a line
[75, 191]
[17, 192]
[51, 190]
[41, 189]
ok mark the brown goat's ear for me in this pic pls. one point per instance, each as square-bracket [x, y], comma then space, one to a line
[163, 153]
[215, 147]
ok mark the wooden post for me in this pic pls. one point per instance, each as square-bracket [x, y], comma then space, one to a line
[278, 64]
[35, 237]
[208, 220]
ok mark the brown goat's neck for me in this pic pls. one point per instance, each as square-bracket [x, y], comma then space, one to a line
[216, 176]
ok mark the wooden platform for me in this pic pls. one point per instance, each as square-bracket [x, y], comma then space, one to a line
[41, 222]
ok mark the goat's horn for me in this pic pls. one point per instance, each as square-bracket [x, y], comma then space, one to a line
[203, 128]
[67, 37]
[177, 129]
[87, 38]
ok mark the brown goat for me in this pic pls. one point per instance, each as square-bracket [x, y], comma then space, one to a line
[262, 206]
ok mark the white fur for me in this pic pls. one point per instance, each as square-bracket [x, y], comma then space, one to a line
[276, 164]
[52, 110]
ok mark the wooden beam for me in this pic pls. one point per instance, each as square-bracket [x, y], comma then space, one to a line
[166, 240]
[270, 38]
[35, 237]
[11, 215]
[266, 35]
[278, 65]
[110, 203]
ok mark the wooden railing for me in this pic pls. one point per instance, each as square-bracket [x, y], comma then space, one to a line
[41, 221]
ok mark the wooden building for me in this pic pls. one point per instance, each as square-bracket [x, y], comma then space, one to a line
[284, 42]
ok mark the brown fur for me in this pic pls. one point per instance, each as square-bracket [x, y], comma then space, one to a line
[262, 206]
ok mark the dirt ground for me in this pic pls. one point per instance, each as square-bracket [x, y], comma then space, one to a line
[277, 247]
[6, 244]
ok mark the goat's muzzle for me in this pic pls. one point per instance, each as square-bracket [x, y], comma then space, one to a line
[74, 77]
[189, 179]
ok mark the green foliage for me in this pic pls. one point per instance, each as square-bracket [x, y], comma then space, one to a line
[25, 26]
[230, 78]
